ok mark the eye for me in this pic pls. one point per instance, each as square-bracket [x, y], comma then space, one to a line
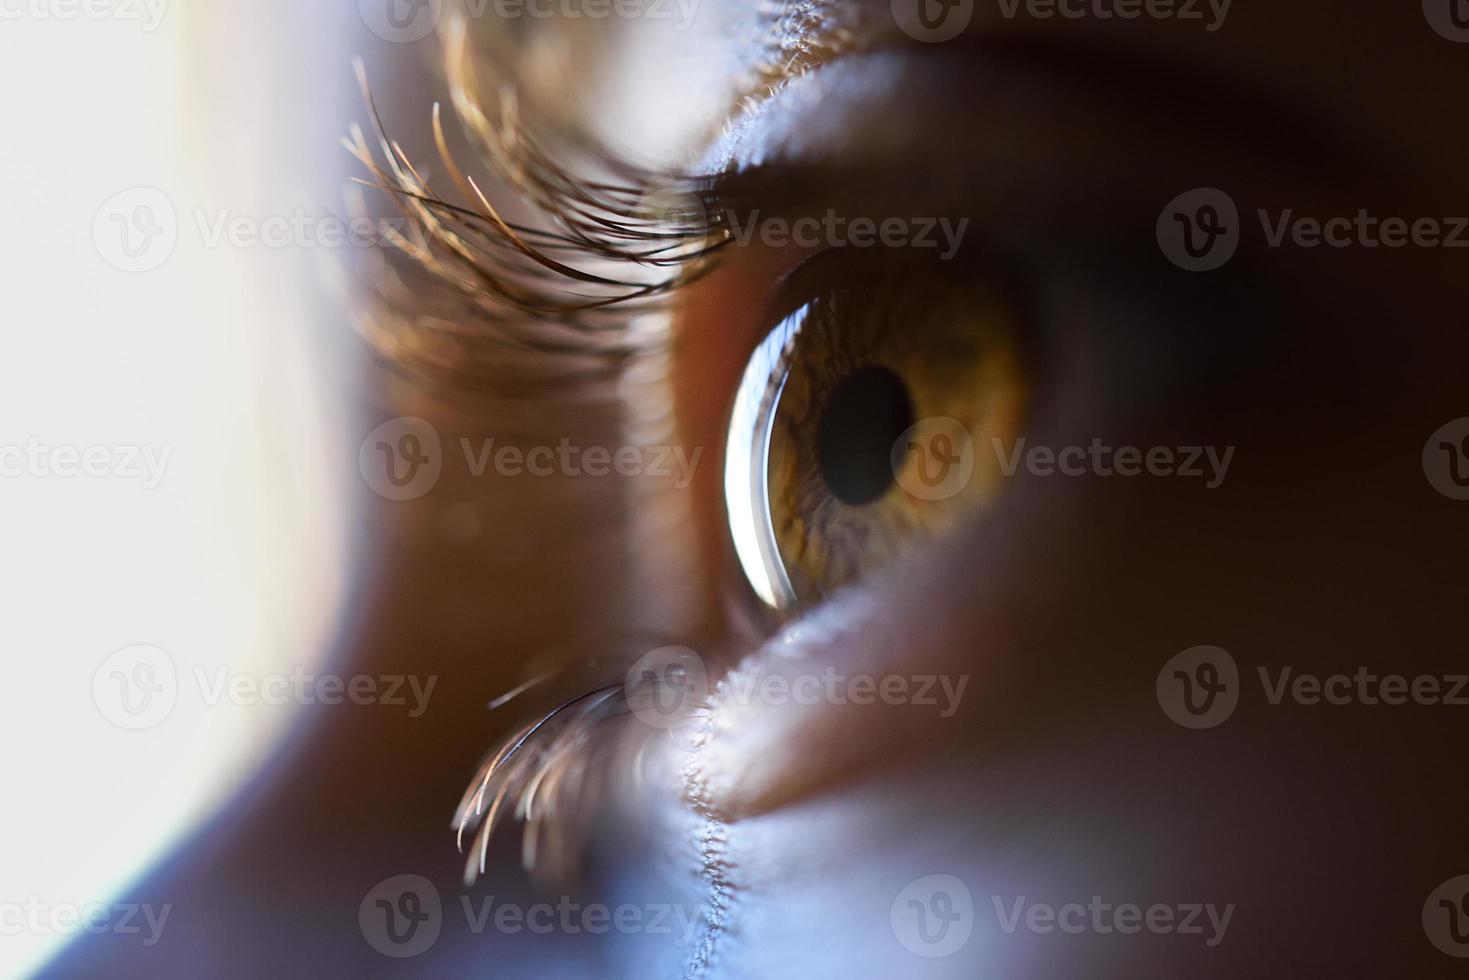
[867, 420]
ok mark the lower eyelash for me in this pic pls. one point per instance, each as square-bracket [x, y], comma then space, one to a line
[544, 756]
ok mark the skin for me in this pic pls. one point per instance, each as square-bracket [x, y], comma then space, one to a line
[1057, 777]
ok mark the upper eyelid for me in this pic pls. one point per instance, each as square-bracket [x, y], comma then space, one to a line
[1268, 119]
[1299, 138]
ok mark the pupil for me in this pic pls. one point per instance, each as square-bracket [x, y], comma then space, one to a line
[863, 418]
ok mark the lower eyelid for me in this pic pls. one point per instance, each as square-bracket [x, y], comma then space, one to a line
[761, 752]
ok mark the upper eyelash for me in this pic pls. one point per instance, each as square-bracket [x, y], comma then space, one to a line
[480, 300]
[477, 294]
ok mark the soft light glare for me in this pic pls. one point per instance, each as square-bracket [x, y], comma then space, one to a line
[232, 560]
[745, 461]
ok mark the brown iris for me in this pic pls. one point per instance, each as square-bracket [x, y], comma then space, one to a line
[873, 363]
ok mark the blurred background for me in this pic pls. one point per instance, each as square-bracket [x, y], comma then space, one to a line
[174, 384]
[189, 540]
